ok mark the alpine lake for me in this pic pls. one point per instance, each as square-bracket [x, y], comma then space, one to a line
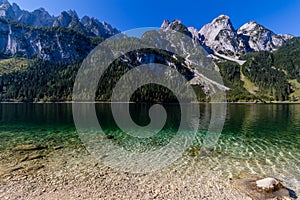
[256, 138]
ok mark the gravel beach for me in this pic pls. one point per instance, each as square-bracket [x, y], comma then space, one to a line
[72, 173]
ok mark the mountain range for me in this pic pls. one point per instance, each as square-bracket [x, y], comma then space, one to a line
[67, 19]
[221, 37]
[30, 39]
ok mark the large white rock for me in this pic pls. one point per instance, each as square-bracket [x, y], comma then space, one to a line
[268, 183]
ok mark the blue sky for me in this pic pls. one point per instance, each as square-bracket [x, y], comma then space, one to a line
[281, 16]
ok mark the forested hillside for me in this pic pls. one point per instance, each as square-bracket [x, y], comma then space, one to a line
[270, 73]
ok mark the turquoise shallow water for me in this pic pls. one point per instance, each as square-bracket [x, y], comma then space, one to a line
[263, 139]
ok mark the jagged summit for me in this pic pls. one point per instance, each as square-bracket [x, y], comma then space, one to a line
[221, 36]
[224, 21]
[176, 25]
[250, 27]
[221, 17]
[72, 13]
[165, 24]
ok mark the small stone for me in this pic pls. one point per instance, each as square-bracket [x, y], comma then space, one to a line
[230, 177]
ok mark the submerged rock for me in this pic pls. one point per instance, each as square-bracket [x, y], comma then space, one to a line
[194, 151]
[35, 168]
[31, 157]
[16, 168]
[28, 147]
[110, 137]
[259, 188]
[58, 147]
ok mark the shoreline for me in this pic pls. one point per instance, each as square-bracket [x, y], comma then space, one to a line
[73, 173]
[106, 102]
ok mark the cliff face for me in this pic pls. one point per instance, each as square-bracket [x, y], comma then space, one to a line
[53, 44]
[37, 34]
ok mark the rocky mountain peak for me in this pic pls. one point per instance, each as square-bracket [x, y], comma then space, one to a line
[222, 17]
[286, 36]
[85, 19]
[171, 25]
[17, 10]
[221, 36]
[96, 28]
[165, 24]
[6, 10]
[222, 21]
[72, 13]
[211, 30]
[63, 20]
[195, 33]
[176, 25]
[251, 27]
[261, 38]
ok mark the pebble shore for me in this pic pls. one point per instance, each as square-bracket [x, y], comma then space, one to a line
[72, 173]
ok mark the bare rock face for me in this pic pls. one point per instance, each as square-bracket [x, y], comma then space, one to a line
[221, 36]
[260, 38]
[38, 34]
[259, 188]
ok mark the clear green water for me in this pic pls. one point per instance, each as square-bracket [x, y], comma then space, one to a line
[261, 139]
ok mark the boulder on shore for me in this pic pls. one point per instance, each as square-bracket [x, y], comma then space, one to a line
[269, 185]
